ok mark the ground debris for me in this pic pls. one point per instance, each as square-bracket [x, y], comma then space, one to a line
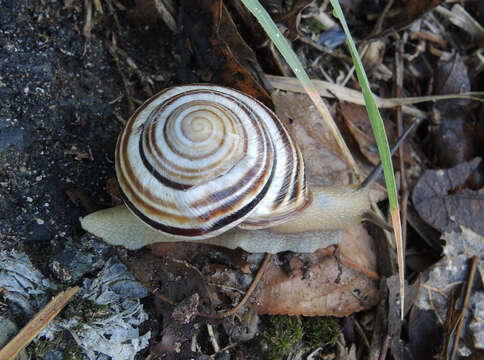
[24, 288]
[442, 203]
[104, 317]
[438, 299]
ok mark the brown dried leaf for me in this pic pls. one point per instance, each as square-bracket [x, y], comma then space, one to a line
[453, 141]
[324, 163]
[240, 68]
[452, 78]
[213, 41]
[356, 118]
[319, 284]
[438, 298]
[440, 202]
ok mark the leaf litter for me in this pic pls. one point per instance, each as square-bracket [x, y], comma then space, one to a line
[110, 325]
[213, 279]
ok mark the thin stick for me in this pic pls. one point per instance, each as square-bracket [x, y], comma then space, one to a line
[464, 306]
[384, 348]
[35, 326]
[248, 293]
[331, 251]
[213, 339]
[330, 90]
[232, 311]
[401, 150]
[381, 18]
[377, 170]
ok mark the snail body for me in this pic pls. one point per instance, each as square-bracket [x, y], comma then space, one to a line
[195, 161]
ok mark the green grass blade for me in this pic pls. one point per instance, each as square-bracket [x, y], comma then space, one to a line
[286, 51]
[376, 121]
[382, 143]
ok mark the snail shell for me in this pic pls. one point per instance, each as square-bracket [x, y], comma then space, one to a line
[196, 160]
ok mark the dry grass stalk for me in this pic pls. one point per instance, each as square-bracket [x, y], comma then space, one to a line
[35, 326]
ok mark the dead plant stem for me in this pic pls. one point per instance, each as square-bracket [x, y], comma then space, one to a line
[475, 259]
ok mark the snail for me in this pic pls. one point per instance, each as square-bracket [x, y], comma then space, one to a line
[211, 164]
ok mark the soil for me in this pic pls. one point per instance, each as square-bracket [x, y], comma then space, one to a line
[60, 92]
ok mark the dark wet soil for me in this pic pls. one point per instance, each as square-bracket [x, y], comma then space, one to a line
[59, 93]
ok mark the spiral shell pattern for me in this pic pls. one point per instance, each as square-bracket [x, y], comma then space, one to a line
[196, 160]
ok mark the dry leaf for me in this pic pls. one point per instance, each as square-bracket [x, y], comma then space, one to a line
[444, 280]
[319, 284]
[356, 118]
[324, 163]
[440, 202]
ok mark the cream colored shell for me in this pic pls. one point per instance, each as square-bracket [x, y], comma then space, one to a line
[197, 160]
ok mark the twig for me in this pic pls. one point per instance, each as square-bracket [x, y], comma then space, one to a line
[86, 30]
[213, 339]
[246, 297]
[381, 18]
[362, 334]
[35, 326]
[248, 293]
[384, 348]
[347, 261]
[475, 259]
[159, 296]
[111, 46]
[401, 150]
[329, 90]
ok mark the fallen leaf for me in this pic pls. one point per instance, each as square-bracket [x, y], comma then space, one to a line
[357, 121]
[314, 138]
[319, 284]
[324, 163]
[240, 69]
[220, 52]
[442, 204]
[444, 280]
[453, 139]
[452, 78]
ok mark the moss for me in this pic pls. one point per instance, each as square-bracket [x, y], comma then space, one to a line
[316, 26]
[282, 335]
[68, 347]
[91, 311]
[73, 352]
[40, 348]
[320, 331]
